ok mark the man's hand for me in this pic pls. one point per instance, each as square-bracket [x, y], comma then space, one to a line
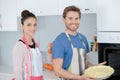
[102, 63]
[86, 77]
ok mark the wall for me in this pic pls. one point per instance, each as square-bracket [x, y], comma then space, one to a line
[7, 41]
[48, 28]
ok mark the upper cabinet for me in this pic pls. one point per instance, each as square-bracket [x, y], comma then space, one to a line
[108, 15]
[0, 18]
[8, 15]
[38, 7]
[54, 7]
[10, 9]
[86, 6]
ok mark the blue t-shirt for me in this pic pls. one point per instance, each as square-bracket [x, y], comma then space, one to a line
[61, 47]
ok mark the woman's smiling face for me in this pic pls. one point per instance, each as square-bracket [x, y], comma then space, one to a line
[29, 26]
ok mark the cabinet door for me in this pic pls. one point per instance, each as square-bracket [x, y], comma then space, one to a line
[3, 77]
[8, 15]
[0, 23]
[0, 18]
[38, 7]
[108, 15]
[92, 6]
[86, 6]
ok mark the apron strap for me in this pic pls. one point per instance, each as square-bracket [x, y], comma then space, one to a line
[30, 56]
[71, 40]
[82, 41]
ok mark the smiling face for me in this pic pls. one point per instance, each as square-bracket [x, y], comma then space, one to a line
[72, 21]
[29, 26]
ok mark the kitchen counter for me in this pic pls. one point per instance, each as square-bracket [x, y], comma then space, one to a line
[6, 73]
[49, 75]
[92, 57]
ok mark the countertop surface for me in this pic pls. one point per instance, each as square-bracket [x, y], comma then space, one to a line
[8, 71]
[92, 57]
[47, 74]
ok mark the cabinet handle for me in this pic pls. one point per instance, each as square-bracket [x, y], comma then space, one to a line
[85, 9]
[0, 26]
[41, 11]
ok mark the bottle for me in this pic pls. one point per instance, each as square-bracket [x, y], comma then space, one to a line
[91, 46]
[95, 46]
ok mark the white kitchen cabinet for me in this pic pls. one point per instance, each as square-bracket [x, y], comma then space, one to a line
[38, 7]
[108, 15]
[108, 37]
[8, 16]
[0, 18]
[86, 6]
[0, 23]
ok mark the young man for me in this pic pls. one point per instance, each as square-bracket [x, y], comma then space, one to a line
[70, 48]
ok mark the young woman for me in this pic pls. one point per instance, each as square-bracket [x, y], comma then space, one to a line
[27, 59]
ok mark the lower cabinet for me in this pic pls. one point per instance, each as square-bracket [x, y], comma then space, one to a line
[6, 72]
[5, 77]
